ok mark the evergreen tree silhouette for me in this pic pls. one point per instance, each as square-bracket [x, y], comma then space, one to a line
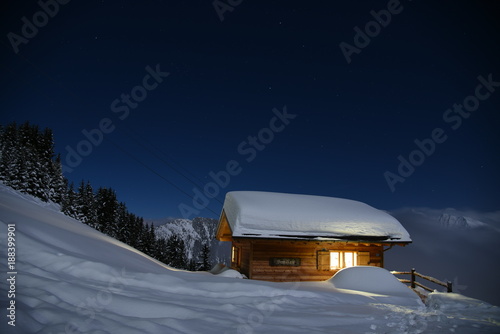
[205, 258]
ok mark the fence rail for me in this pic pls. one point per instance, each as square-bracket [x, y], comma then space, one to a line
[413, 283]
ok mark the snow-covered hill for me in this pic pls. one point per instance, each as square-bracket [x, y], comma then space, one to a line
[70, 278]
[195, 233]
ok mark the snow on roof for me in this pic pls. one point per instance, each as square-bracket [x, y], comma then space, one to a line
[276, 215]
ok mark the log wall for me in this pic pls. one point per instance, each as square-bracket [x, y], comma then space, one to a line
[255, 255]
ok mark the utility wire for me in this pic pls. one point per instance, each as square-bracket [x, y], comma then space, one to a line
[113, 142]
[148, 148]
[133, 157]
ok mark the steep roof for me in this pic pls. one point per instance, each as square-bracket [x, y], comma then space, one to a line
[258, 214]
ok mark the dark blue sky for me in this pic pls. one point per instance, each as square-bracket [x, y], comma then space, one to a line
[90, 66]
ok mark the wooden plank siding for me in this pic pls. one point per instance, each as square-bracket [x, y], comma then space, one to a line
[255, 255]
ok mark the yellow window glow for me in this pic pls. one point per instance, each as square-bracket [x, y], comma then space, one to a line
[349, 259]
[334, 260]
[340, 260]
[234, 254]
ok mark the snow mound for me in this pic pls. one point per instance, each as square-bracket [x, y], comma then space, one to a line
[267, 214]
[222, 271]
[230, 273]
[217, 268]
[370, 279]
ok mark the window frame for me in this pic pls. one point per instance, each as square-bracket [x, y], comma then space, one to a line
[323, 258]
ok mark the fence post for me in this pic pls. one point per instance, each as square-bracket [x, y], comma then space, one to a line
[449, 287]
[412, 279]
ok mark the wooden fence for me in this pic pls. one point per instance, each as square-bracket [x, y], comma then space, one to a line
[413, 283]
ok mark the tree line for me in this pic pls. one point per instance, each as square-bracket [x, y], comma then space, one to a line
[28, 163]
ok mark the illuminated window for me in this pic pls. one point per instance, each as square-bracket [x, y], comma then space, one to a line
[340, 260]
[235, 255]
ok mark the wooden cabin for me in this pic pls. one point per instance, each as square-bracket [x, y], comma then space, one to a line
[288, 237]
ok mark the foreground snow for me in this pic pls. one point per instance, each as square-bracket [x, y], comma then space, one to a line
[72, 279]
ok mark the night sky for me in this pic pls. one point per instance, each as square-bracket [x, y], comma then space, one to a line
[309, 97]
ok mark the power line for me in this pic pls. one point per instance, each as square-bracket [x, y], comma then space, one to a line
[157, 174]
[118, 146]
[148, 148]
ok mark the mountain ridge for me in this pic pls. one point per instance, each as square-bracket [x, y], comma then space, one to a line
[195, 233]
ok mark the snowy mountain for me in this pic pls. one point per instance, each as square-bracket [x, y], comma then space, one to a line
[459, 222]
[195, 233]
[459, 246]
[69, 278]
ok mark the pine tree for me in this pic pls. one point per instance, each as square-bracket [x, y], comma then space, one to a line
[144, 242]
[181, 258]
[205, 258]
[30, 163]
[9, 165]
[121, 223]
[86, 206]
[161, 253]
[107, 206]
[134, 230]
[44, 152]
[152, 240]
[27, 162]
[148, 240]
[68, 207]
[192, 265]
[57, 181]
[176, 252]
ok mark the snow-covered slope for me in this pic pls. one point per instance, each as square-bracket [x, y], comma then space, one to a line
[73, 279]
[195, 233]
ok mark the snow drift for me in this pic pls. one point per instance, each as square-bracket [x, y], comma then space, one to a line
[371, 279]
